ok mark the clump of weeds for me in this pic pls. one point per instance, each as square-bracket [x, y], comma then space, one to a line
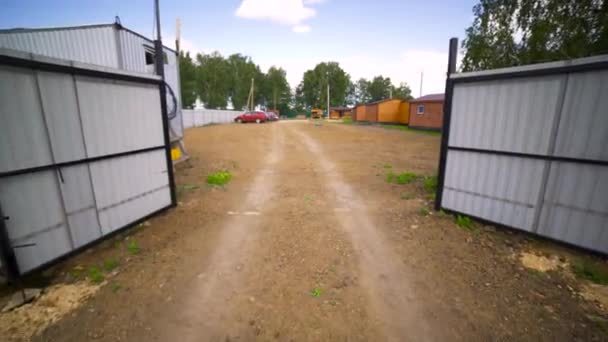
[219, 178]
[316, 292]
[424, 211]
[464, 222]
[95, 275]
[110, 264]
[133, 247]
[401, 178]
[591, 270]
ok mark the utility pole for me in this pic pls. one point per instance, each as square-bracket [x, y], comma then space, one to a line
[421, 78]
[178, 26]
[327, 99]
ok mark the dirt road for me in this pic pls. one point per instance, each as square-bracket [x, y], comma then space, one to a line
[309, 242]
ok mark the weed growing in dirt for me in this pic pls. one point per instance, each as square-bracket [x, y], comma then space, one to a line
[387, 166]
[307, 198]
[407, 196]
[133, 247]
[219, 178]
[430, 184]
[407, 129]
[347, 121]
[95, 275]
[110, 264]
[401, 178]
[316, 292]
[424, 211]
[77, 273]
[590, 270]
[464, 222]
[114, 286]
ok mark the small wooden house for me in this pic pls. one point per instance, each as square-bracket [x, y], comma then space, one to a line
[426, 112]
[384, 111]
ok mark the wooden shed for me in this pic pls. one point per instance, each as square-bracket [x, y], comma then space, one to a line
[427, 112]
[385, 111]
[340, 112]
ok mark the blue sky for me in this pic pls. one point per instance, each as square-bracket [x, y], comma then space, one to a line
[395, 38]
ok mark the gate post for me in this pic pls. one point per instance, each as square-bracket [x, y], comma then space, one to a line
[447, 113]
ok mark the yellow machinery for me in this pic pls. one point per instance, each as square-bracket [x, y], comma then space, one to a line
[316, 113]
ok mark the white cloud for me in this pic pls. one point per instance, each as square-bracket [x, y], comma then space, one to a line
[301, 28]
[285, 12]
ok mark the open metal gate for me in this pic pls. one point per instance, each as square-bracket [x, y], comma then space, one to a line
[527, 147]
[84, 152]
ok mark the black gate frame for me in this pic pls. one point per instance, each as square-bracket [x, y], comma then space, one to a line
[7, 254]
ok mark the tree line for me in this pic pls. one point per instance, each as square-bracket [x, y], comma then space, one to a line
[515, 32]
[220, 81]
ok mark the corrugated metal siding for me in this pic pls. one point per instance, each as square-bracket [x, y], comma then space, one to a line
[94, 45]
[498, 188]
[575, 207]
[133, 51]
[119, 116]
[558, 115]
[583, 131]
[508, 115]
[61, 209]
[130, 187]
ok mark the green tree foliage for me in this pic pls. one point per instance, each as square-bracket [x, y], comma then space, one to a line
[361, 93]
[403, 91]
[379, 88]
[241, 71]
[187, 76]
[276, 89]
[314, 85]
[514, 32]
[212, 80]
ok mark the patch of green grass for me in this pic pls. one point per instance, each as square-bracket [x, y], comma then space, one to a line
[408, 129]
[430, 184]
[219, 178]
[190, 186]
[591, 270]
[115, 286]
[133, 247]
[407, 196]
[401, 178]
[347, 121]
[464, 222]
[316, 292]
[424, 211]
[95, 275]
[110, 264]
[387, 166]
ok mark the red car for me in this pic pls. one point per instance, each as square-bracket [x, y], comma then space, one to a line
[257, 117]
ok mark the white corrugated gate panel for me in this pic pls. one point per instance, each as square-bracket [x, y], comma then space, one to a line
[497, 188]
[133, 51]
[507, 115]
[130, 187]
[23, 137]
[575, 208]
[58, 94]
[33, 203]
[119, 116]
[80, 204]
[583, 129]
[95, 45]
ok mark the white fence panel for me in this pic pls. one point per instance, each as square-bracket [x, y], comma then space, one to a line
[202, 117]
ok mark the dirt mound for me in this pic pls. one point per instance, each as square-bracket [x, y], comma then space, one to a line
[22, 323]
[541, 263]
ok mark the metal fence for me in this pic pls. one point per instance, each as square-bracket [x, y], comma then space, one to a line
[84, 152]
[202, 117]
[527, 147]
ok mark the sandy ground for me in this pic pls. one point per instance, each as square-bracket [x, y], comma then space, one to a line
[309, 242]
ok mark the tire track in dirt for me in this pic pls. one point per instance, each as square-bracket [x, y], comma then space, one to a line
[389, 285]
[205, 313]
